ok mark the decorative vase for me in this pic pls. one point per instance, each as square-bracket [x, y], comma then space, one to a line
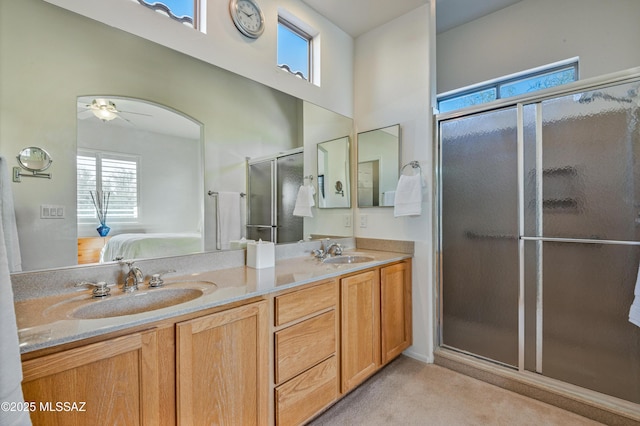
[103, 229]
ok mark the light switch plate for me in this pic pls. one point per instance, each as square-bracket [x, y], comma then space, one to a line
[51, 211]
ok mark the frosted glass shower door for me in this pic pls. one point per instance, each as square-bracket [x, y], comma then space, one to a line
[479, 241]
[261, 193]
[289, 180]
[582, 224]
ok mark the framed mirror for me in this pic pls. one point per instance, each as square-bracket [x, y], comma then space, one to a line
[333, 174]
[378, 166]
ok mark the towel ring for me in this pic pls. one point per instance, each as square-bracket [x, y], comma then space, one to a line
[414, 165]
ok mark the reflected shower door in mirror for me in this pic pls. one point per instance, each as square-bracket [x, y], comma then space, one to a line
[334, 189]
[273, 187]
[378, 166]
[145, 162]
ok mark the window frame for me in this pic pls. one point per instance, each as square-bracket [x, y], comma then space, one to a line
[498, 83]
[99, 155]
[310, 51]
[158, 5]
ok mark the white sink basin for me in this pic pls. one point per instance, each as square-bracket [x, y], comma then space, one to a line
[353, 258]
[136, 303]
[120, 304]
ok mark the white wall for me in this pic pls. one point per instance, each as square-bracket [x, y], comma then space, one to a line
[392, 85]
[531, 33]
[224, 46]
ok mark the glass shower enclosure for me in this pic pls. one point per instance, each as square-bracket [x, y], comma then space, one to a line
[272, 188]
[539, 227]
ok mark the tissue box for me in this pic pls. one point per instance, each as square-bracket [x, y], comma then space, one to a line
[261, 254]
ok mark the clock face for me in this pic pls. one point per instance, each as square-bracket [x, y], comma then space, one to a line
[247, 17]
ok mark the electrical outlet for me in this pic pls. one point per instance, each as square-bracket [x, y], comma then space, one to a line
[363, 221]
[347, 221]
[50, 211]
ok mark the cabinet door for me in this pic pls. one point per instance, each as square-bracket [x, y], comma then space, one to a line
[110, 382]
[395, 310]
[360, 338]
[222, 368]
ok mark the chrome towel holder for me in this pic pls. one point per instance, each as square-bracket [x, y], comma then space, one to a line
[414, 165]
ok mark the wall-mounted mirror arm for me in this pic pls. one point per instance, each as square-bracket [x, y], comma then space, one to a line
[17, 174]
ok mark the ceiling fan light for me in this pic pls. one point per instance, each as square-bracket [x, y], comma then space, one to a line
[104, 110]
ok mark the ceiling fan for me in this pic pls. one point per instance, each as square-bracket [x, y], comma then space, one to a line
[105, 110]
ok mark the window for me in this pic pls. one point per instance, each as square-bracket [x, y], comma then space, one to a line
[184, 11]
[522, 83]
[108, 172]
[294, 49]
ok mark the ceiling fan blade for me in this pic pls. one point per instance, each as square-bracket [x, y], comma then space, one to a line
[136, 113]
[83, 115]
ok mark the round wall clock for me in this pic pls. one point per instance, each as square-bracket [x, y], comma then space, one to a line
[247, 17]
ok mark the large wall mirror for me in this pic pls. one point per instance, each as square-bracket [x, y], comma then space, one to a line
[334, 189]
[233, 118]
[378, 166]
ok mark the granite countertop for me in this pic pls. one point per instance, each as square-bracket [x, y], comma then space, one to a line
[47, 321]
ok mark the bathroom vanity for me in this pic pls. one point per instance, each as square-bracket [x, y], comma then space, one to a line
[272, 346]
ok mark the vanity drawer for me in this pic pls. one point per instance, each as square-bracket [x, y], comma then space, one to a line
[303, 345]
[292, 306]
[307, 394]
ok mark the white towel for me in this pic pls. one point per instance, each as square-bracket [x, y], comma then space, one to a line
[10, 366]
[408, 200]
[228, 219]
[388, 198]
[304, 201]
[634, 312]
[9, 219]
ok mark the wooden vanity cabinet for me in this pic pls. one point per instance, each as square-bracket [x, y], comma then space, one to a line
[395, 310]
[111, 382]
[222, 367]
[376, 320]
[305, 346]
[360, 307]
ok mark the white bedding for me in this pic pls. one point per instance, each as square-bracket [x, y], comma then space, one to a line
[142, 246]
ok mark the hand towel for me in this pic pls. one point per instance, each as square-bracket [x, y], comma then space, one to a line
[228, 219]
[304, 201]
[408, 199]
[9, 219]
[10, 366]
[634, 311]
[388, 198]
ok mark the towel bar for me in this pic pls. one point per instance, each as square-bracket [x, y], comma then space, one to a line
[215, 194]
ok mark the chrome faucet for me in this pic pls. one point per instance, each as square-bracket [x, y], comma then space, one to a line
[133, 279]
[337, 250]
[327, 248]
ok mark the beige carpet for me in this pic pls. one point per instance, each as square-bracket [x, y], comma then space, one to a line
[409, 392]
